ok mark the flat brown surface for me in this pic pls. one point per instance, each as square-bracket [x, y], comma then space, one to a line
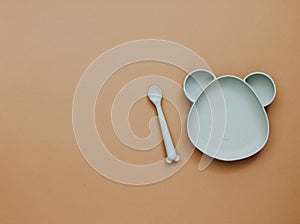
[46, 45]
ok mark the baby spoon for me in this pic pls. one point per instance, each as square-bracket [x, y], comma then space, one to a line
[155, 95]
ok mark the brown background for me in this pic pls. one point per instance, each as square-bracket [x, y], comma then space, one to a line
[46, 45]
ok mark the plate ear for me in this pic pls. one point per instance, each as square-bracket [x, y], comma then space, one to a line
[263, 86]
[195, 82]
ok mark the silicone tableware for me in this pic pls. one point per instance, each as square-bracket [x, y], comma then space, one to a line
[155, 95]
[227, 120]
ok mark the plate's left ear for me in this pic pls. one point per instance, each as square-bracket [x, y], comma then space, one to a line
[195, 82]
[263, 86]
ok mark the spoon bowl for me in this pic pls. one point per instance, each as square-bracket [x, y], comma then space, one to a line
[155, 94]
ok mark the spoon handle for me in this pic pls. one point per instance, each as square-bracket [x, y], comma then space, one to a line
[170, 150]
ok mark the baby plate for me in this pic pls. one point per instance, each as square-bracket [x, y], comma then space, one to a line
[227, 120]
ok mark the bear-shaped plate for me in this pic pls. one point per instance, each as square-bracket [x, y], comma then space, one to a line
[228, 120]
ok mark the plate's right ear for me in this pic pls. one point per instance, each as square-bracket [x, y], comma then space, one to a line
[195, 82]
[263, 86]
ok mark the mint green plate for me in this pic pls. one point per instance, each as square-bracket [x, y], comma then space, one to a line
[227, 119]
